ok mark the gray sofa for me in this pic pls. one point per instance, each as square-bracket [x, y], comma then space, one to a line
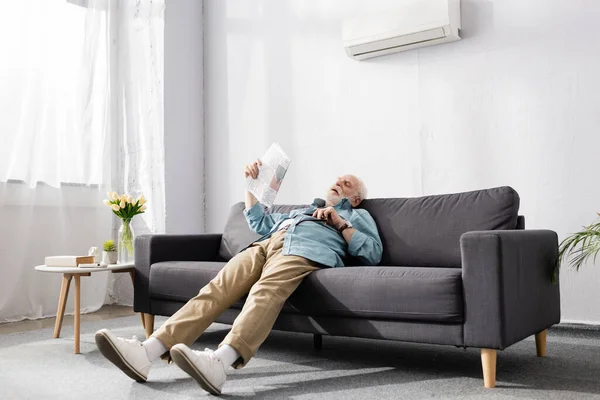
[457, 269]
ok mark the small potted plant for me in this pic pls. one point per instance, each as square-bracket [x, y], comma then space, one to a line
[109, 255]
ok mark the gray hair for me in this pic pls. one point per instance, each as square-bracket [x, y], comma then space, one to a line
[361, 191]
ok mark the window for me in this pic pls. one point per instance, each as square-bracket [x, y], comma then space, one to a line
[54, 88]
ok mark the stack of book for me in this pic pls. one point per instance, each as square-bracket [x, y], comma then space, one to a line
[70, 261]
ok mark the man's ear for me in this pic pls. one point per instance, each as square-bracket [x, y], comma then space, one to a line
[355, 201]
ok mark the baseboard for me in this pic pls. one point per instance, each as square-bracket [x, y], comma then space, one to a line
[577, 325]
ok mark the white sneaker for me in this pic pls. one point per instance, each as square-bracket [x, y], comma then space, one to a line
[127, 354]
[204, 366]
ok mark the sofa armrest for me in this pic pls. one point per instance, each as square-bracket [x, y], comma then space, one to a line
[150, 249]
[507, 285]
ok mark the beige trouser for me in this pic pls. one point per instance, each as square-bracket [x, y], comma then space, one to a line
[262, 272]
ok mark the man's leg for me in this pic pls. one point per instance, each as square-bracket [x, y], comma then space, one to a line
[280, 278]
[187, 324]
[264, 303]
[231, 283]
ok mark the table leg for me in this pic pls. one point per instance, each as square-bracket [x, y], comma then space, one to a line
[62, 302]
[77, 310]
[131, 274]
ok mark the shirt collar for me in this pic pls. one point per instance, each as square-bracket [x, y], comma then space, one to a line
[343, 204]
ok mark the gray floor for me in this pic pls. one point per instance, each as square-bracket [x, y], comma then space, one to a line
[108, 311]
[35, 366]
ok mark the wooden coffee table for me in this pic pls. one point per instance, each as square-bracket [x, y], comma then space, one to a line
[75, 272]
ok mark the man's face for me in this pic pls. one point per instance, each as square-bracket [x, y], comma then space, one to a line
[344, 186]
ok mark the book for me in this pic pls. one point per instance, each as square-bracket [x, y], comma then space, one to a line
[265, 187]
[68, 261]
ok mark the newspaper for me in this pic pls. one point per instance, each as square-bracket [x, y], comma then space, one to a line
[265, 187]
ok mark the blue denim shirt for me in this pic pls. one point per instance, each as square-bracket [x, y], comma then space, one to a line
[312, 239]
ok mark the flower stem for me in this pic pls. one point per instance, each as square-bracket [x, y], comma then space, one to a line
[127, 237]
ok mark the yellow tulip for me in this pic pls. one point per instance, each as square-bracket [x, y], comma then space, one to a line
[130, 199]
[114, 196]
[142, 201]
[107, 202]
[115, 207]
[123, 203]
[143, 208]
[123, 197]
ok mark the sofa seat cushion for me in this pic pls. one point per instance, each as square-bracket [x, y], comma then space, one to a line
[390, 293]
[182, 280]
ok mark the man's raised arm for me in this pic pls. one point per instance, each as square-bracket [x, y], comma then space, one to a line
[257, 219]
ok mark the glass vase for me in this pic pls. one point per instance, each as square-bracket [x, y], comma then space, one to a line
[125, 244]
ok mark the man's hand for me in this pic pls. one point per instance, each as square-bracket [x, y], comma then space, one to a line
[329, 215]
[252, 169]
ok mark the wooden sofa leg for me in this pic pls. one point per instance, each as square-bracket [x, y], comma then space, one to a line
[540, 343]
[318, 341]
[488, 362]
[149, 324]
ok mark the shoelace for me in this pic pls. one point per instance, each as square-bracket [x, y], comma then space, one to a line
[211, 355]
[133, 340]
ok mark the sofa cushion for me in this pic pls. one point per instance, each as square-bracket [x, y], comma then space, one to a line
[237, 235]
[182, 280]
[417, 231]
[390, 293]
[425, 231]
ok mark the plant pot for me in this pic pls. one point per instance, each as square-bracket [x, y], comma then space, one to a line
[109, 257]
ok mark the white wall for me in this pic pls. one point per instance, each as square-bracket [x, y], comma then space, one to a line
[514, 103]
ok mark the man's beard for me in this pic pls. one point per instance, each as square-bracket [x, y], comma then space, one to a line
[332, 198]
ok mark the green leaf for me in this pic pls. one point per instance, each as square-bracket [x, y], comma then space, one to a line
[578, 248]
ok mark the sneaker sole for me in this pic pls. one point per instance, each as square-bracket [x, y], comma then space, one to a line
[108, 350]
[188, 366]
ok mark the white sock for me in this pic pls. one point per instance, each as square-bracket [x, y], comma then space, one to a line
[154, 348]
[227, 354]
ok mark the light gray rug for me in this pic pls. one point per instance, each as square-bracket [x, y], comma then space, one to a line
[33, 365]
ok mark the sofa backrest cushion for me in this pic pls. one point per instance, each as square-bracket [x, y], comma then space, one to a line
[418, 231]
[425, 231]
[237, 235]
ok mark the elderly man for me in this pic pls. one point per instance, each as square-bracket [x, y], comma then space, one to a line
[268, 271]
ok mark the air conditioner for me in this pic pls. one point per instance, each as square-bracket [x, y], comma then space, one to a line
[413, 24]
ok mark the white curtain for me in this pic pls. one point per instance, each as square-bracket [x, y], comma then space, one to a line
[53, 97]
[81, 111]
[140, 98]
